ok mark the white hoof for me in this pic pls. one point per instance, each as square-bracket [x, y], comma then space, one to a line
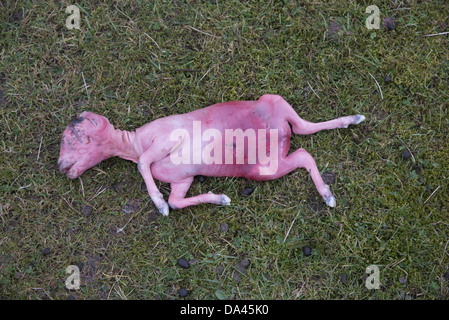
[331, 202]
[225, 201]
[163, 209]
[359, 118]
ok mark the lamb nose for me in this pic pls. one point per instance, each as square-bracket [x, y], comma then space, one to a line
[63, 167]
[60, 165]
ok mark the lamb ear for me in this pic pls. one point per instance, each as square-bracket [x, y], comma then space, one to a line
[93, 122]
[84, 114]
[99, 122]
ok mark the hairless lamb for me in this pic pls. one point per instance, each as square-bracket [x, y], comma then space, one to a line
[208, 142]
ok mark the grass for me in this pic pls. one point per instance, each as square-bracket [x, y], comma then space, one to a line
[135, 61]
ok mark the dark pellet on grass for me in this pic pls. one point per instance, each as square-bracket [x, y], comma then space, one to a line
[248, 191]
[17, 15]
[389, 24]
[201, 179]
[406, 154]
[183, 263]
[387, 79]
[306, 251]
[182, 292]
[46, 251]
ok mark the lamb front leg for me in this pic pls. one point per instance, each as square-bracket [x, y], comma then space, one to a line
[155, 194]
[177, 199]
[153, 154]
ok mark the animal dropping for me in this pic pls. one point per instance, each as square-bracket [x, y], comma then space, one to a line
[231, 139]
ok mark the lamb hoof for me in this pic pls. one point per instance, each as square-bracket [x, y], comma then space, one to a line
[225, 201]
[359, 118]
[163, 209]
[331, 202]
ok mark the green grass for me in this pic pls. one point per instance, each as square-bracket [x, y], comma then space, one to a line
[390, 212]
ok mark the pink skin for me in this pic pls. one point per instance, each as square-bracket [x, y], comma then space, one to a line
[90, 138]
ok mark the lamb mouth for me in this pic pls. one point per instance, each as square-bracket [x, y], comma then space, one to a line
[65, 167]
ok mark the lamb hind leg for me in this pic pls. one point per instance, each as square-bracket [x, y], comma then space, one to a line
[301, 126]
[302, 159]
[177, 199]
